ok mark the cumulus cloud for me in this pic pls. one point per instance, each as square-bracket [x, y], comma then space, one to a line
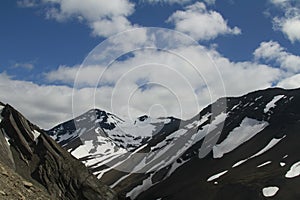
[177, 87]
[103, 18]
[107, 27]
[290, 27]
[289, 23]
[65, 74]
[44, 105]
[200, 23]
[272, 52]
[208, 2]
[48, 105]
[166, 1]
[138, 85]
[180, 80]
[290, 82]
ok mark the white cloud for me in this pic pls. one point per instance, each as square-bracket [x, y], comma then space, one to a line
[64, 74]
[289, 26]
[236, 76]
[290, 82]
[44, 105]
[182, 81]
[162, 70]
[91, 10]
[166, 1]
[279, 2]
[103, 18]
[27, 3]
[208, 2]
[48, 105]
[289, 23]
[272, 51]
[200, 23]
[25, 65]
[107, 27]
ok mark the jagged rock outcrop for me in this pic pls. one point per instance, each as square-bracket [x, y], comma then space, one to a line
[35, 156]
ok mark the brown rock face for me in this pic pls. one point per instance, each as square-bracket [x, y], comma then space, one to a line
[26, 149]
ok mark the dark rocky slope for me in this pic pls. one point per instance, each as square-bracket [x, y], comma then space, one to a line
[31, 153]
[246, 180]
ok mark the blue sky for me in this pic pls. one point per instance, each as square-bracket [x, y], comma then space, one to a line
[43, 42]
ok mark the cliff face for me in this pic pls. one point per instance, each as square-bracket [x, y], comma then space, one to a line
[31, 153]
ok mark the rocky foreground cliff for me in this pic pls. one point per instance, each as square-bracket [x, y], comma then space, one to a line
[33, 166]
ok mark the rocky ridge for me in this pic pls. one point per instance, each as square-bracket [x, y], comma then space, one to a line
[38, 159]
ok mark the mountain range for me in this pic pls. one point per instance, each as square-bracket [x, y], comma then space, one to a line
[235, 148]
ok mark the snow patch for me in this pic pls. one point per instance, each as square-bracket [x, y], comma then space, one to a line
[264, 164]
[216, 176]
[82, 150]
[258, 98]
[294, 171]
[271, 144]
[102, 172]
[133, 133]
[234, 107]
[198, 122]
[247, 129]
[147, 183]
[1, 108]
[239, 163]
[270, 191]
[98, 130]
[119, 181]
[36, 134]
[282, 164]
[219, 119]
[272, 103]
[7, 138]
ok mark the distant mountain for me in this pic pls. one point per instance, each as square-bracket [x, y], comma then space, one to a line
[97, 137]
[34, 166]
[236, 148]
